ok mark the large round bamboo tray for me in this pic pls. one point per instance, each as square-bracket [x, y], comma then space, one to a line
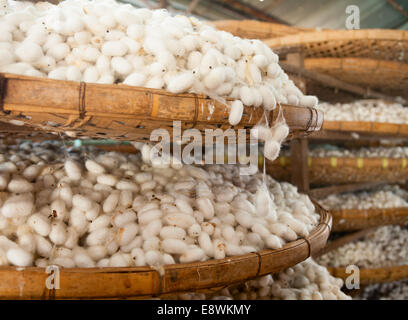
[374, 275]
[94, 283]
[381, 44]
[253, 29]
[356, 219]
[122, 112]
[333, 170]
[386, 76]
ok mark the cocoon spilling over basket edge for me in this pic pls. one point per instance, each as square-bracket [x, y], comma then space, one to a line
[107, 42]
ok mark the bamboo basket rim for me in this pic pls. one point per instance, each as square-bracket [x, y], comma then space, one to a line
[374, 275]
[264, 261]
[124, 112]
[366, 126]
[337, 35]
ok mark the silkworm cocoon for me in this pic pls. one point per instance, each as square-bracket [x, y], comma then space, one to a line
[179, 220]
[152, 229]
[83, 260]
[138, 256]
[125, 198]
[65, 193]
[19, 185]
[152, 257]
[271, 149]
[102, 221]
[280, 132]
[6, 57]
[82, 37]
[108, 179]
[282, 231]
[73, 169]
[137, 79]
[261, 230]
[29, 51]
[260, 61]
[294, 224]
[98, 237]
[233, 250]
[58, 234]
[246, 96]
[18, 206]
[124, 218]
[194, 60]
[26, 241]
[293, 100]
[58, 209]
[181, 82]
[244, 219]
[8, 167]
[59, 51]
[135, 31]
[308, 101]
[120, 259]
[91, 74]
[148, 185]
[215, 78]
[235, 115]
[114, 48]
[171, 232]
[121, 66]
[39, 224]
[19, 257]
[268, 98]
[219, 249]
[127, 233]
[274, 70]
[148, 216]
[184, 206]
[194, 230]
[174, 246]
[81, 202]
[206, 244]
[155, 83]
[43, 246]
[192, 255]
[78, 220]
[103, 263]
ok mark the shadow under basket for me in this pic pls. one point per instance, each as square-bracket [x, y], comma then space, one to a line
[142, 282]
[123, 112]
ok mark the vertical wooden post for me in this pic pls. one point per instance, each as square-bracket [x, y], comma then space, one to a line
[299, 148]
[299, 154]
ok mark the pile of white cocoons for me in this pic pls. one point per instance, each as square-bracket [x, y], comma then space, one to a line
[304, 281]
[364, 152]
[93, 208]
[366, 111]
[397, 290]
[389, 196]
[384, 247]
[107, 42]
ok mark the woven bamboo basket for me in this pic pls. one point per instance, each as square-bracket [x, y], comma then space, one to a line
[355, 219]
[386, 76]
[374, 275]
[367, 127]
[333, 170]
[95, 283]
[381, 44]
[122, 112]
[253, 29]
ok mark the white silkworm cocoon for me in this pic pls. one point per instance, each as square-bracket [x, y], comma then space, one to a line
[246, 96]
[65, 193]
[155, 83]
[235, 115]
[194, 60]
[20, 257]
[148, 216]
[152, 229]
[102, 221]
[82, 37]
[294, 224]
[82, 202]
[174, 246]
[29, 51]
[137, 79]
[58, 234]
[261, 230]
[148, 185]
[94, 167]
[280, 132]
[260, 61]
[111, 202]
[293, 100]
[78, 220]
[308, 101]
[138, 256]
[73, 74]
[98, 237]
[184, 206]
[206, 244]
[83, 260]
[44, 247]
[273, 242]
[191, 255]
[219, 249]
[268, 98]
[194, 230]
[6, 57]
[125, 198]
[59, 51]
[179, 220]
[114, 48]
[108, 179]
[282, 231]
[27, 242]
[135, 31]
[91, 74]
[152, 257]
[274, 70]
[58, 209]
[215, 78]
[39, 224]
[228, 233]
[18, 206]
[19, 185]
[120, 259]
[73, 169]
[233, 250]
[181, 82]
[121, 66]
[124, 218]
[135, 243]
[127, 233]
[271, 149]
[172, 232]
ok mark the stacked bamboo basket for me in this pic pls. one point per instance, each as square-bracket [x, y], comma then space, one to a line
[47, 109]
[373, 60]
